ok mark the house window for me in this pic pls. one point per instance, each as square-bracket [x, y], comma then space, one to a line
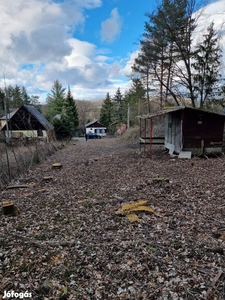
[40, 133]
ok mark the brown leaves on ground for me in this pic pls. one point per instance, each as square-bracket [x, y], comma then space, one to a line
[69, 242]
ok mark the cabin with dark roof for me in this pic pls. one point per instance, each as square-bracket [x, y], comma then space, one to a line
[27, 122]
[96, 127]
[187, 129]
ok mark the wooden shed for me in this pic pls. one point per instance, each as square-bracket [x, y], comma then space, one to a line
[189, 129]
[28, 122]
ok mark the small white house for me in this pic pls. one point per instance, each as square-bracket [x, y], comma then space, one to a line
[96, 127]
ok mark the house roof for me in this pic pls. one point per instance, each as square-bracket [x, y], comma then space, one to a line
[93, 122]
[173, 109]
[9, 115]
[35, 113]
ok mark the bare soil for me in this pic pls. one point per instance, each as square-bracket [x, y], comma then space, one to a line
[69, 242]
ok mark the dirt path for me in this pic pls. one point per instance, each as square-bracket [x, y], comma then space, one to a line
[69, 242]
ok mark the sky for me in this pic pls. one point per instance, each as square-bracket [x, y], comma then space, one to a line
[89, 45]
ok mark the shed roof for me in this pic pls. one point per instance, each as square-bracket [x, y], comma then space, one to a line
[9, 115]
[173, 109]
[35, 113]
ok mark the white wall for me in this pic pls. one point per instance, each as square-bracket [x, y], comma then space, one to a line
[98, 130]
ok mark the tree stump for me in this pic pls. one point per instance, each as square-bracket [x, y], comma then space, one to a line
[8, 208]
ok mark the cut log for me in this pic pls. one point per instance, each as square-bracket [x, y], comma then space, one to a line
[17, 186]
[8, 208]
[57, 166]
[47, 178]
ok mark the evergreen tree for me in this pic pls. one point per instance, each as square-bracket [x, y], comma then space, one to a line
[206, 66]
[119, 107]
[136, 102]
[26, 99]
[62, 127]
[167, 46]
[143, 66]
[71, 111]
[55, 100]
[106, 113]
[62, 111]
[16, 97]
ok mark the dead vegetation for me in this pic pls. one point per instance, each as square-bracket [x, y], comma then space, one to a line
[70, 242]
[22, 157]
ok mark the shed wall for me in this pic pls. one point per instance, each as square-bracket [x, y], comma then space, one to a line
[202, 130]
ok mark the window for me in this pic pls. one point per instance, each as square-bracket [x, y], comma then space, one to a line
[40, 133]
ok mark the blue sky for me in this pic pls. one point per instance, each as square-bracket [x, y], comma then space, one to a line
[89, 45]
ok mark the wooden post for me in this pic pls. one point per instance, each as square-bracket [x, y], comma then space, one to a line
[145, 136]
[150, 138]
[140, 134]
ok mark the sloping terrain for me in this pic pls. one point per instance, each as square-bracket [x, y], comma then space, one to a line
[71, 240]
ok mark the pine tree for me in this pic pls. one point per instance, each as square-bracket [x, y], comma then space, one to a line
[62, 111]
[167, 46]
[106, 113]
[26, 99]
[143, 66]
[71, 110]
[16, 97]
[206, 66]
[55, 100]
[135, 97]
[119, 107]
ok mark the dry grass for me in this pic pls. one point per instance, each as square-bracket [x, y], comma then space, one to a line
[21, 158]
[132, 135]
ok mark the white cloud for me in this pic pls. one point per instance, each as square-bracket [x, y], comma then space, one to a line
[111, 28]
[37, 47]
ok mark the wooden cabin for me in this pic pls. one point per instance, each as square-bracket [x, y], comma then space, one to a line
[190, 129]
[28, 122]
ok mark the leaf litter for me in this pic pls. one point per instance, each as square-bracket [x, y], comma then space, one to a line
[68, 242]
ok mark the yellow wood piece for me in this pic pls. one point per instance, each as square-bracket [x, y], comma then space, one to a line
[133, 218]
[47, 178]
[81, 201]
[129, 206]
[142, 208]
[57, 165]
[7, 203]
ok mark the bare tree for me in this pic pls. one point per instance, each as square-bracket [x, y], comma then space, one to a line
[86, 111]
